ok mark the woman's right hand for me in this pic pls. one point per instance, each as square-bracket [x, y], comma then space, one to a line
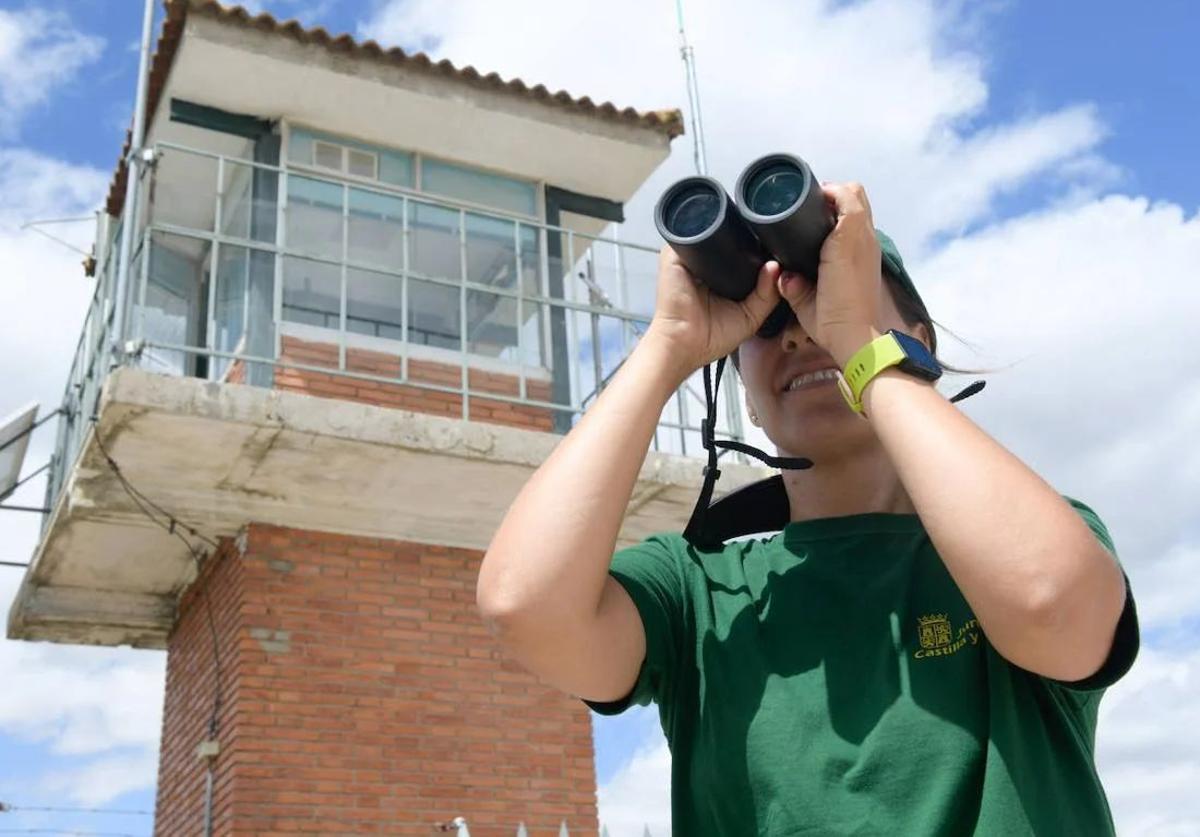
[699, 326]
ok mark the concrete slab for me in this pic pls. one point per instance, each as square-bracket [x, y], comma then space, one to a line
[221, 456]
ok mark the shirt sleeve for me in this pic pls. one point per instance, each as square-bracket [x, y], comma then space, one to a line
[651, 572]
[1126, 639]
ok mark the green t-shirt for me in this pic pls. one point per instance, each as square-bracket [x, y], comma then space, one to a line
[832, 680]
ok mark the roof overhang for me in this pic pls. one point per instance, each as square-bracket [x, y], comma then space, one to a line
[224, 58]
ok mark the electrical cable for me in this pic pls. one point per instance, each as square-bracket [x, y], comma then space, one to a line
[172, 525]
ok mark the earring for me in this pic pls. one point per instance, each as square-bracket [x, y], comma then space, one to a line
[753, 417]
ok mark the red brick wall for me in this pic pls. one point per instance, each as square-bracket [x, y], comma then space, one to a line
[406, 396]
[188, 702]
[363, 696]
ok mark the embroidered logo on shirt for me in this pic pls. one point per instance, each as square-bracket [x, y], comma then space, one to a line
[939, 639]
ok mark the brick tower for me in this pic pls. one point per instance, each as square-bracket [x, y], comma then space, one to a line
[366, 294]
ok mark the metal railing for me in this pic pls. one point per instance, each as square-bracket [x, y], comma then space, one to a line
[237, 263]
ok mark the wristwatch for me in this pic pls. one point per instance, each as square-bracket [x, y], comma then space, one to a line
[893, 349]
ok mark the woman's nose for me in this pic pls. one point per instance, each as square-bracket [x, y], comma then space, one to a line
[793, 336]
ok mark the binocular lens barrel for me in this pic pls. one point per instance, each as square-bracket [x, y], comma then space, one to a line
[774, 188]
[697, 218]
[780, 199]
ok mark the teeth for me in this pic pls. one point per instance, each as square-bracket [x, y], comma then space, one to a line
[812, 377]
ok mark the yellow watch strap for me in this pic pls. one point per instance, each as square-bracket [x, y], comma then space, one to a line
[881, 353]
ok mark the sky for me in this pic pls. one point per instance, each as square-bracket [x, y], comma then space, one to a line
[1035, 162]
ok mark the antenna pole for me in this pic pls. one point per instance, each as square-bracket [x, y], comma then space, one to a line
[137, 136]
[688, 54]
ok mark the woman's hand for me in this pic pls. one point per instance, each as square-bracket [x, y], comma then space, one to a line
[700, 326]
[841, 312]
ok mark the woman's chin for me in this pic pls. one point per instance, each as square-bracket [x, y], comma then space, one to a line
[821, 431]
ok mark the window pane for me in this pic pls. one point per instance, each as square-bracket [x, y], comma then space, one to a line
[248, 198]
[478, 187]
[311, 292]
[433, 314]
[433, 240]
[175, 279]
[360, 163]
[376, 233]
[327, 155]
[314, 217]
[232, 273]
[532, 335]
[491, 251]
[531, 260]
[184, 191]
[396, 167]
[373, 304]
[300, 146]
[493, 325]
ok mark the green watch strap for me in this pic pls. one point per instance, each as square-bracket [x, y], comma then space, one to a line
[881, 353]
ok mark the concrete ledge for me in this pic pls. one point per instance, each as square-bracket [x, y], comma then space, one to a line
[220, 456]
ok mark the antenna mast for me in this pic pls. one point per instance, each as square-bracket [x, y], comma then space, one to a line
[688, 54]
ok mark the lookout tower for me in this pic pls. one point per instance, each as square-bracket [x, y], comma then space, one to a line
[367, 294]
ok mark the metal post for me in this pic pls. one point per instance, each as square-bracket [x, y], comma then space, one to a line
[132, 178]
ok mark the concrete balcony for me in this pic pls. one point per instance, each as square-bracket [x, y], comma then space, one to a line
[220, 456]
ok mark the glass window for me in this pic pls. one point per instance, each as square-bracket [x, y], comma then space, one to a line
[376, 232]
[492, 328]
[532, 340]
[433, 240]
[314, 217]
[327, 155]
[361, 163]
[183, 191]
[491, 251]
[479, 187]
[229, 315]
[433, 314]
[374, 304]
[311, 292]
[248, 202]
[175, 279]
[308, 148]
[531, 259]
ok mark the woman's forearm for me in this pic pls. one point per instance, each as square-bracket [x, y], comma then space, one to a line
[1046, 592]
[549, 559]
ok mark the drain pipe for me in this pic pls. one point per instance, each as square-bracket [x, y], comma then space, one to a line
[133, 165]
[207, 752]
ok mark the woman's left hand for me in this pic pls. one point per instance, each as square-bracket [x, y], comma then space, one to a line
[840, 312]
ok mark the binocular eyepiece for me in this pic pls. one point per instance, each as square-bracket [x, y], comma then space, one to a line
[778, 211]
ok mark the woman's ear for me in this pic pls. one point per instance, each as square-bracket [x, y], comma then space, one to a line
[753, 413]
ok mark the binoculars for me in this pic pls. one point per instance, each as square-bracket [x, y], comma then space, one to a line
[778, 211]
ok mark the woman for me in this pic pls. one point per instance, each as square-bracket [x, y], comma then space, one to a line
[920, 651]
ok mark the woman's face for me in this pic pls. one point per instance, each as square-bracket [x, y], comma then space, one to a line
[791, 385]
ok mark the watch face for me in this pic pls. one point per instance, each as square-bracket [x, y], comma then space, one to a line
[918, 360]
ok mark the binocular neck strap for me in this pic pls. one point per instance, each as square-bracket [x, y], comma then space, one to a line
[695, 532]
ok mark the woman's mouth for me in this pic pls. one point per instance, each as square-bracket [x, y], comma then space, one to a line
[812, 379]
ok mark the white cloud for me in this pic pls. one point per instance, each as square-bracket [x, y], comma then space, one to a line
[1150, 735]
[101, 780]
[1083, 305]
[898, 116]
[102, 707]
[39, 51]
[639, 795]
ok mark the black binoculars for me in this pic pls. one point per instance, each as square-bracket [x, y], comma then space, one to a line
[781, 213]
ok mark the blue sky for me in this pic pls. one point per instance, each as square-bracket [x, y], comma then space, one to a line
[1122, 83]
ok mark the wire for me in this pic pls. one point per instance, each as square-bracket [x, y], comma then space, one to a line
[65, 810]
[20, 483]
[13, 564]
[172, 525]
[68, 833]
